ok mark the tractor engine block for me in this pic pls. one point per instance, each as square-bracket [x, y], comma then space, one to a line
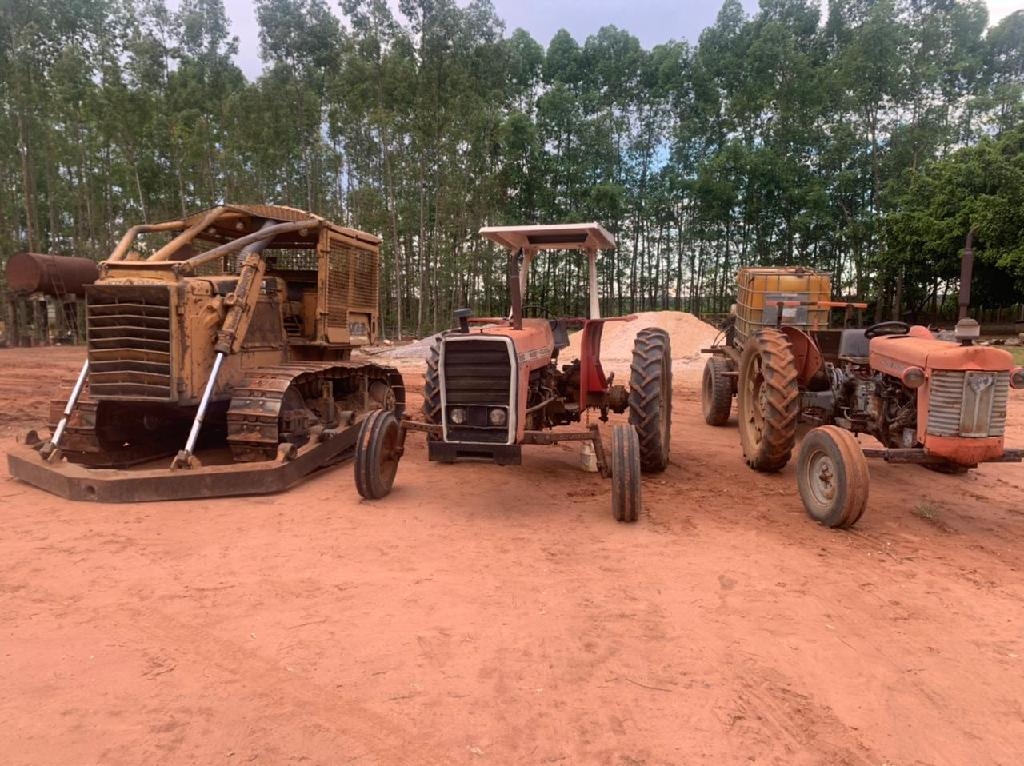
[875, 403]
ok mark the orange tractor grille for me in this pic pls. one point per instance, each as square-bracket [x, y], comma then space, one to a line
[477, 381]
[968, 403]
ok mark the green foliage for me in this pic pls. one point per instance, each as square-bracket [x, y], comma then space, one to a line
[866, 140]
[977, 189]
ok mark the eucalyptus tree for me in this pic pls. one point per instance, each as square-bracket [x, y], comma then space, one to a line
[300, 41]
[197, 93]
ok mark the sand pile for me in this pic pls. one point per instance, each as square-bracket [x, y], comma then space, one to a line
[689, 335]
[418, 349]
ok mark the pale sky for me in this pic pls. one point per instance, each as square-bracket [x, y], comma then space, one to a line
[652, 21]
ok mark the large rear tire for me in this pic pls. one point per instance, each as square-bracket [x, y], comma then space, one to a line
[832, 476]
[716, 391]
[378, 450]
[769, 401]
[432, 386]
[650, 397]
[626, 501]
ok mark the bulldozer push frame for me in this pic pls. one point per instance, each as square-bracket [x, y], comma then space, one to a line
[219, 363]
[493, 385]
[933, 402]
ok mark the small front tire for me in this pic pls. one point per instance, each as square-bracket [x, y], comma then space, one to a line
[378, 450]
[716, 391]
[626, 501]
[832, 476]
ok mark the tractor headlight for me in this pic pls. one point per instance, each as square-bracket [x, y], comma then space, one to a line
[913, 377]
[457, 415]
[1017, 377]
[497, 417]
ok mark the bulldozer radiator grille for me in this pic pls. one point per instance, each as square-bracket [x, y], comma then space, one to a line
[351, 284]
[129, 334]
[969, 404]
[477, 379]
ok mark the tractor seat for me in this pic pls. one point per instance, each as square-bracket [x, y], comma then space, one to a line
[561, 334]
[853, 347]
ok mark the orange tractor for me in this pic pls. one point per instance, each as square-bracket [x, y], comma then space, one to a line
[496, 386]
[938, 403]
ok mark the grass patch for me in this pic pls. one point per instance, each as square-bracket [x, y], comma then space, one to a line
[1017, 352]
[932, 513]
[927, 511]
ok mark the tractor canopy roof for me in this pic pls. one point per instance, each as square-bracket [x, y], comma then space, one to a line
[561, 236]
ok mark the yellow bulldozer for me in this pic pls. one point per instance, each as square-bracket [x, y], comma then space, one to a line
[222, 341]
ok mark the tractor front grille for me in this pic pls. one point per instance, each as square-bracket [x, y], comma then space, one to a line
[968, 403]
[477, 378]
[129, 335]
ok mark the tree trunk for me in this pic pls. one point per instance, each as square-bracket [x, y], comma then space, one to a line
[27, 186]
[396, 245]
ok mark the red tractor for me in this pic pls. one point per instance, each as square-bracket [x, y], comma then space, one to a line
[937, 403]
[493, 385]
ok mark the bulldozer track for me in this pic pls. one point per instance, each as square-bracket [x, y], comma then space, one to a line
[258, 401]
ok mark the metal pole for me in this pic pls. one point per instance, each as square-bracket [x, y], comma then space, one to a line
[182, 458]
[58, 432]
[595, 298]
[515, 286]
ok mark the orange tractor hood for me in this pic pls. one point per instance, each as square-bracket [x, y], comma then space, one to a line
[895, 354]
[533, 344]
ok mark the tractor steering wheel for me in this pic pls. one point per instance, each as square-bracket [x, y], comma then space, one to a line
[886, 328]
[538, 308]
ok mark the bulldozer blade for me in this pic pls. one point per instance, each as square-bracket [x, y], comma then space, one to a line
[106, 485]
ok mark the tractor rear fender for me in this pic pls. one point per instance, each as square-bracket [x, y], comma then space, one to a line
[805, 354]
[592, 377]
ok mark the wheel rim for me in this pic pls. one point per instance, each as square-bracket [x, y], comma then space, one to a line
[381, 393]
[820, 479]
[755, 400]
[706, 386]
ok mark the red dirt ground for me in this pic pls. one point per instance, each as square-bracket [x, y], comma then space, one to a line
[499, 615]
